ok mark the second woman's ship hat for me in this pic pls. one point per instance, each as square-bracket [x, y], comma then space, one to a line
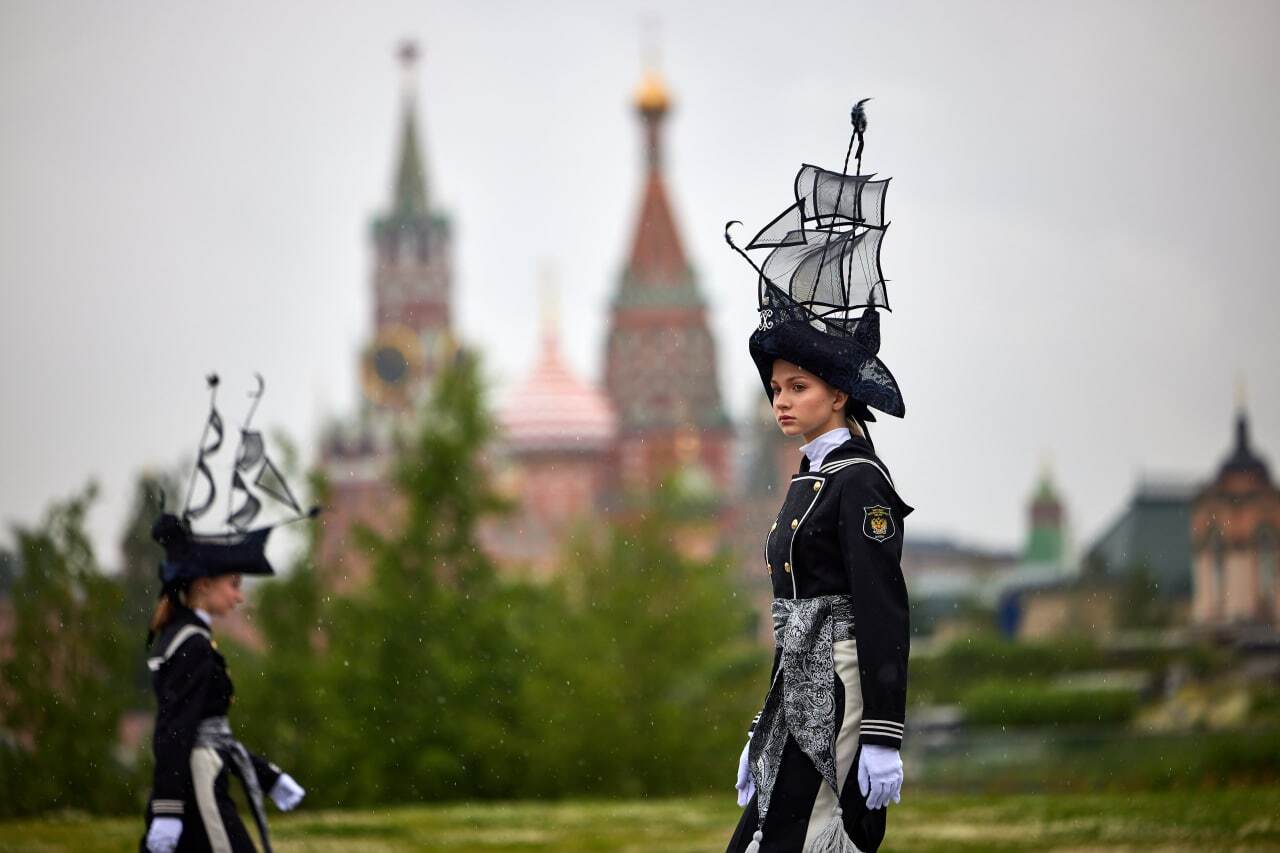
[188, 555]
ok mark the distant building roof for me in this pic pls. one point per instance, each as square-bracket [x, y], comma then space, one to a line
[555, 410]
[1153, 532]
[1243, 459]
[924, 551]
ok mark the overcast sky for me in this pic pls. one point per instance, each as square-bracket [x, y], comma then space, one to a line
[1083, 256]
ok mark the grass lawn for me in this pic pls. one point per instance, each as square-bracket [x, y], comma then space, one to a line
[1240, 819]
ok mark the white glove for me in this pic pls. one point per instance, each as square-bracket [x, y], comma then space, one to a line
[286, 793]
[880, 775]
[163, 835]
[746, 785]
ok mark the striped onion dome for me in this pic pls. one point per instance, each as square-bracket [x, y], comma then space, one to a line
[555, 410]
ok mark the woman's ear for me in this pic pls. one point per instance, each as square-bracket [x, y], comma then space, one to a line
[842, 399]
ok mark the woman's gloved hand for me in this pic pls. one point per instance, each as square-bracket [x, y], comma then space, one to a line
[286, 793]
[746, 785]
[163, 835]
[880, 775]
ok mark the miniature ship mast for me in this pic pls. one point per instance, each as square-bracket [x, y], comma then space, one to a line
[253, 471]
[824, 249]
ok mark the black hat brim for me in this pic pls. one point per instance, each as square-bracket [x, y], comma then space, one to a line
[191, 555]
[838, 360]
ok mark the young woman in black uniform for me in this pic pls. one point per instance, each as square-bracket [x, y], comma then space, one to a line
[195, 753]
[821, 762]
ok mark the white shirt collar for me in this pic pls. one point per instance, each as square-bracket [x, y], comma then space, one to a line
[818, 449]
[204, 616]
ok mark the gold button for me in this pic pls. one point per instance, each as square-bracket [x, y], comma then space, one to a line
[817, 485]
[787, 567]
[795, 522]
[770, 568]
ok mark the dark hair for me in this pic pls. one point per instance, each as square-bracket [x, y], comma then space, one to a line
[856, 412]
[166, 608]
[162, 615]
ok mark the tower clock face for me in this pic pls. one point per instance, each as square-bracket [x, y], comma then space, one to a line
[392, 366]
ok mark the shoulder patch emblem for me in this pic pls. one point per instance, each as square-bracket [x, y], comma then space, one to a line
[877, 523]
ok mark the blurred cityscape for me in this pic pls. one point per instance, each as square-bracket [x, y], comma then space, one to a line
[1183, 564]
[1167, 623]
[1194, 556]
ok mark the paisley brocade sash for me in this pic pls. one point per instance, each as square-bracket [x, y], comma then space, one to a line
[215, 733]
[801, 699]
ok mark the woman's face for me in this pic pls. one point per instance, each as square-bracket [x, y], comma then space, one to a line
[802, 403]
[219, 595]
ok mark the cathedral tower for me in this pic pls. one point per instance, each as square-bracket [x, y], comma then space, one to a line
[412, 294]
[1235, 541]
[412, 276]
[660, 360]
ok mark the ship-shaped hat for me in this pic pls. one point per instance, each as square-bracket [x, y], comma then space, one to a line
[241, 548]
[821, 269]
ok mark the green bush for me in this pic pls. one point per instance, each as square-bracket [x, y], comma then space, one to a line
[947, 677]
[1085, 758]
[65, 682]
[632, 673]
[1011, 703]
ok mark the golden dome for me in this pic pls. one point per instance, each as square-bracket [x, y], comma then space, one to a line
[651, 94]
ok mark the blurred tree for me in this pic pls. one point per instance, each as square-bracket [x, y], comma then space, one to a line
[634, 672]
[1139, 603]
[426, 655]
[648, 680]
[140, 556]
[62, 682]
[283, 705]
[8, 572]
[409, 684]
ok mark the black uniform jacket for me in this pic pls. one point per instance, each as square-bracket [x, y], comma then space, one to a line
[840, 532]
[191, 682]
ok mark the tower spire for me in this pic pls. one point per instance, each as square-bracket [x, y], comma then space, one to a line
[652, 103]
[657, 257]
[652, 99]
[1243, 459]
[549, 307]
[660, 366]
[1242, 451]
[410, 191]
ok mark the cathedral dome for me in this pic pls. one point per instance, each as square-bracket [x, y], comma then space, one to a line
[651, 95]
[555, 410]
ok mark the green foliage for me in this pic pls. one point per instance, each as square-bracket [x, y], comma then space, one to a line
[946, 677]
[1094, 758]
[629, 674]
[646, 678]
[62, 698]
[1141, 605]
[1010, 703]
[139, 585]
[1208, 819]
